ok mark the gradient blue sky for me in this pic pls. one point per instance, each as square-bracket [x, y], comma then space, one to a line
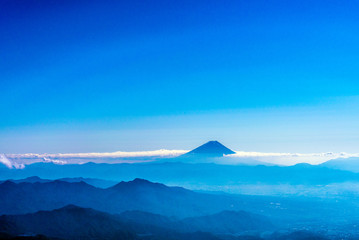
[84, 76]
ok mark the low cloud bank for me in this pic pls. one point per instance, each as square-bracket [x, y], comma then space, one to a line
[156, 153]
[18, 161]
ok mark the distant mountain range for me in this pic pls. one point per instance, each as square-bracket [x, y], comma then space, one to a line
[138, 194]
[172, 202]
[72, 222]
[346, 164]
[210, 152]
[186, 174]
[101, 201]
[190, 169]
[69, 222]
[91, 181]
[138, 206]
[140, 209]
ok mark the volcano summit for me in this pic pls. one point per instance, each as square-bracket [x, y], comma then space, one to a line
[209, 149]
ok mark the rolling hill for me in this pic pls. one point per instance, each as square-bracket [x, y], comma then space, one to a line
[72, 222]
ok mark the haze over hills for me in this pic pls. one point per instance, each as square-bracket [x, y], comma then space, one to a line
[142, 195]
[73, 223]
[347, 164]
[202, 169]
[143, 207]
[138, 194]
[91, 181]
[69, 222]
[211, 176]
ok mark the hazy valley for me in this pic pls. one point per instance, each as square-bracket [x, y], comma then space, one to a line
[179, 198]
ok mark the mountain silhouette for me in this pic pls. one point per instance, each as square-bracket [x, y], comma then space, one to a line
[143, 202]
[69, 222]
[138, 194]
[91, 181]
[73, 222]
[186, 171]
[210, 149]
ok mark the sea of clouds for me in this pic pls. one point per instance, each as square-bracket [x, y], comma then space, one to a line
[19, 161]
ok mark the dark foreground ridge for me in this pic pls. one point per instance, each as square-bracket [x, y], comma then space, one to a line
[72, 222]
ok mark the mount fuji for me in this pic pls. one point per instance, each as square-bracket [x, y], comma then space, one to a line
[209, 149]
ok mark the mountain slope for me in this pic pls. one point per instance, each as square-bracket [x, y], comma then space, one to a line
[173, 202]
[187, 174]
[91, 181]
[69, 222]
[228, 222]
[72, 222]
[18, 198]
[225, 222]
[139, 194]
[210, 149]
[347, 164]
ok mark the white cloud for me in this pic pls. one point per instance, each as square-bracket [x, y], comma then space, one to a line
[20, 160]
[119, 154]
[11, 160]
[4, 160]
[9, 163]
[60, 162]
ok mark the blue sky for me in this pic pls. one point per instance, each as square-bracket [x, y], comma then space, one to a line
[81, 76]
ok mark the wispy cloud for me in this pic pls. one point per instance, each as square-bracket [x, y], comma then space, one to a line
[9, 163]
[20, 160]
[119, 154]
[48, 160]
